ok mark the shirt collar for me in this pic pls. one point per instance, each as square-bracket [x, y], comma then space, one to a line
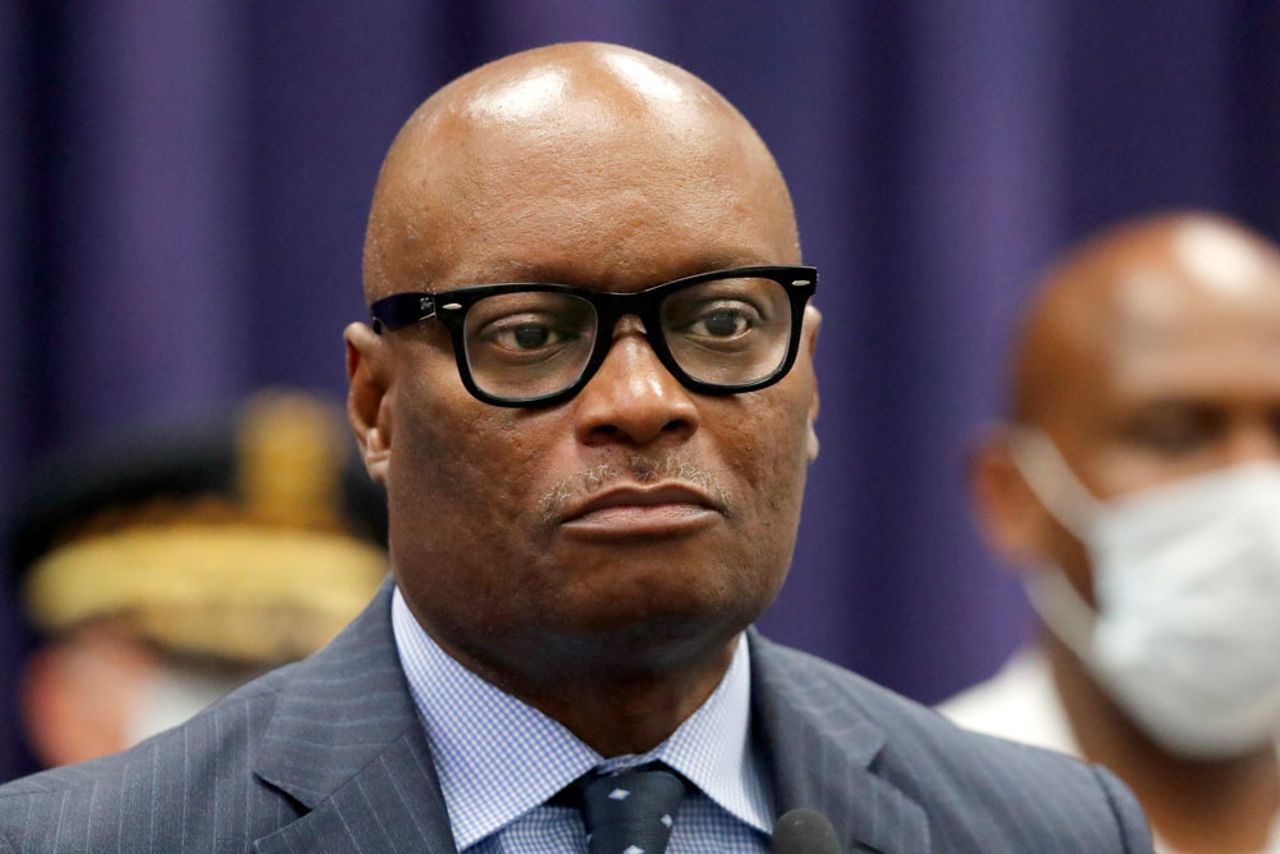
[479, 734]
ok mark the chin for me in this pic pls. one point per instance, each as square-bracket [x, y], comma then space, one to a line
[652, 647]
[648, 613]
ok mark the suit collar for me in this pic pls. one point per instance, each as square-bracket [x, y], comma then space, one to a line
[477, 731]
[345, 743]
[822, 750]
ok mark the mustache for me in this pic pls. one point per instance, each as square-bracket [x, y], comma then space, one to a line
[631, 469]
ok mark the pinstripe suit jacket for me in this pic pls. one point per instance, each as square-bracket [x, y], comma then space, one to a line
[329, 755]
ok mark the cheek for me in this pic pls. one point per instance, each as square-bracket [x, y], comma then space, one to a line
[1120, 469]
[464, 527]
[762, 445]
[764, 441]
[460, 460]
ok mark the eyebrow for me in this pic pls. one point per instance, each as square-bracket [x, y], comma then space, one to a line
[524, 271]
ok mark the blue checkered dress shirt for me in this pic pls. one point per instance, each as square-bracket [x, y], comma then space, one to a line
[499, 760]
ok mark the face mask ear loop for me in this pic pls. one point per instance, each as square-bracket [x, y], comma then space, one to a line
[1052, 481]
[1050, 478]
[1062, 609]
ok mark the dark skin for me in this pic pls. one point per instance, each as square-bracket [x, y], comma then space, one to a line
[1151, 355]
[599, 167]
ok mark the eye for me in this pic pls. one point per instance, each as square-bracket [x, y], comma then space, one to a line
[527, 337]
[721, 320]
[722, 324]
[525, 334]
[1174, 428]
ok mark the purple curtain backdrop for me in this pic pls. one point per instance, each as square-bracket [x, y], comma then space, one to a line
[185, 186]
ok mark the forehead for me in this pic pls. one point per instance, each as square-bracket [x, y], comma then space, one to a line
[1179, 333]
[1180, 311]
[618, 196]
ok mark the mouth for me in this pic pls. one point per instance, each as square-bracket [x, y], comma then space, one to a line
[660, 510]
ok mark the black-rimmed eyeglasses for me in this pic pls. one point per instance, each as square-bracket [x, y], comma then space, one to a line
[534, 344]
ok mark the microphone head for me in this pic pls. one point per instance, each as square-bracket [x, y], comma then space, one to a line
[805, 831]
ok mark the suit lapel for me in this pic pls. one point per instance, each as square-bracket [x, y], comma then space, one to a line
[345, 742]
[821, 749]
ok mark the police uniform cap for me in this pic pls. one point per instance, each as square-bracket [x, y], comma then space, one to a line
[250, 537]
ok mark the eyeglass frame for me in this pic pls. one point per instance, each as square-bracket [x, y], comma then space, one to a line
[450, 307]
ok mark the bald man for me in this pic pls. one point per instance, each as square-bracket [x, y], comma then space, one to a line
[586, 382]
[1139, 488]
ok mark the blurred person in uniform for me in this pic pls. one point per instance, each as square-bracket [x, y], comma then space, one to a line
[164, 567]
[1138, 486]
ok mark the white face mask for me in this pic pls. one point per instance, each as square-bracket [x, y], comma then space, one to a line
[1186, 637]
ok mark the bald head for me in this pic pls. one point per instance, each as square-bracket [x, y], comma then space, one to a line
[563, 139]
[501, 425]
[1150, 355]
[1171, 281]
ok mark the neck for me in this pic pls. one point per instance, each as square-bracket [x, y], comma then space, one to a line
[1195, 805]
[620, 715]
[614, 707]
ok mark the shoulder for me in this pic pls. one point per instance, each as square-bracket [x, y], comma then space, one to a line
[963, 780]
[1020, 703]
[184, 781]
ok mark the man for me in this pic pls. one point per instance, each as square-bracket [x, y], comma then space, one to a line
[593, 489]
[1140, 487]
[167, 565]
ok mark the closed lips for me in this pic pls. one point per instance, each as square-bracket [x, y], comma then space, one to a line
[663, 494]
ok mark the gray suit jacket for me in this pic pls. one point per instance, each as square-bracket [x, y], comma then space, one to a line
[329, 755]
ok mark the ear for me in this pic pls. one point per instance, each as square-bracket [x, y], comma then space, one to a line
[368, 378]
[77, 699]
[1011, 518]
[812, 323]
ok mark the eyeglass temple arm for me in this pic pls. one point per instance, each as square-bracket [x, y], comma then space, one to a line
[401, 310]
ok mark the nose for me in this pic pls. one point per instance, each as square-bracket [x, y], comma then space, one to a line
[633, 399]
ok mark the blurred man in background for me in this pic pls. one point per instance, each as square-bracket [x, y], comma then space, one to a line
[165, 567]
[1139, 486]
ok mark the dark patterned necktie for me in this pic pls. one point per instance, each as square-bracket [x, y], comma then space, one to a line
[631, 812]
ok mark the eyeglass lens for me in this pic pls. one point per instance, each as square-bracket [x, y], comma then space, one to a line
[725, 332]
[528, 344]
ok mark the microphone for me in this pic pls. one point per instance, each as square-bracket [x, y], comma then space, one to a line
[805, 831]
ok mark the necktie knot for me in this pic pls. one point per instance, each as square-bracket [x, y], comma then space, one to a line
[631, 812]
